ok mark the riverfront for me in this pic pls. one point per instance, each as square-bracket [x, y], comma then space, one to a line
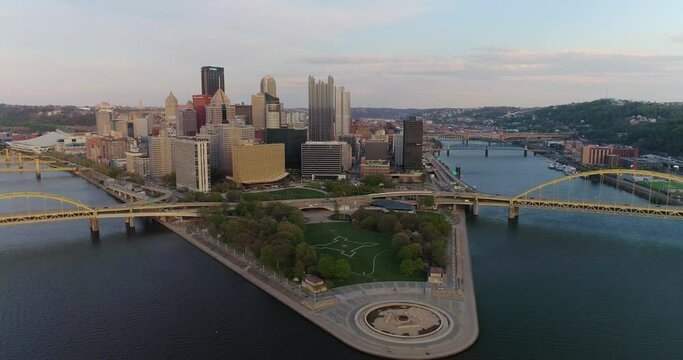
[585, 285]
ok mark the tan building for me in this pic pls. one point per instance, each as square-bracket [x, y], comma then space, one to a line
[171, 108]
[374, 167]
[160, 155]
[594, 154]
[342, 108]
[253, 164]
[219, 110]
[268, 85]
[258, 111]
[103, 121]
[191, 158]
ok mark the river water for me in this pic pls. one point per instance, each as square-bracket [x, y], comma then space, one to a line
[554, 285]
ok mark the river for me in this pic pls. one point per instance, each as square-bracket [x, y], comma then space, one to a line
[554, 285]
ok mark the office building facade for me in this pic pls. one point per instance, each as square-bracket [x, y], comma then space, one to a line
[191, 161]
[160, 155]
[219, 111]
[376, 149]
[342, 110]
[199, 103]
[268, 86]
[397, 149]
[253, 164]
[171, 108]
[292, 139]
[321, 111]
[186, 122]
[213, 78]
[103, 121]
[412, 144]
[325, 159]
[273, 112]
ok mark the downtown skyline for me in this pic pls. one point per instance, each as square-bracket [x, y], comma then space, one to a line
[524, 54]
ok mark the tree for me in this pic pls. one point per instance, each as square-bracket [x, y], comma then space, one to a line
[400, 240]
[426, 201]
[386, 222]
[326, 266]
[410, 266]
[306, 254]
[411, 251]
[342, 269]
[368, 223]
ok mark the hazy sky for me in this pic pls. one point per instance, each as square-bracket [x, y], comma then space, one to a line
[393, 53]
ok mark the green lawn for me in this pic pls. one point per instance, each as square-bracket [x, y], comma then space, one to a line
[361, 248]
[663, 186]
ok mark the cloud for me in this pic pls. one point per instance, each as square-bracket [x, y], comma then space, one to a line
[677, 38]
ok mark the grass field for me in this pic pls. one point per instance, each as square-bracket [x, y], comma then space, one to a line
[370, 253]
[663, 186]
[295, 193]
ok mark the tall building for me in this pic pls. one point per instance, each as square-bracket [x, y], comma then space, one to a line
[268, 86]
[376, 149]
[199, 103]
[160, 155]
[244, 111]
[186, 122]
[258, 114]
[594, 154]
[213, 78]
[191, 160]
[140, 128]
[222, 138]
[254, 164]
[321, 109]
[171, 108]
[398, 150]
[412, 144]
[273, 111]
[103, 121]
[325, 159]
[292, 139]
[219, 111]
[342, 115]
[114, 148]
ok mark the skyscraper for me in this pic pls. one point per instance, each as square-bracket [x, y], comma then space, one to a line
[171, 108]
[186, 122]
[213, 78]
[219, 111]
[103, 119]
[268, 86]
[258, 114]
[412, 144]
[160, 155]
[191, 161]
[321, 109]
[273, 113]
[342, 117]
[199, 103]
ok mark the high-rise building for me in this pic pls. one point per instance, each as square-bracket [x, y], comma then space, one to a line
[254, 164]
[219, 111]
[140, 128]
[258, 114]
[325, 159]
[171, 108]
[342, 110]
[376, 149]
[186, 122]
[103, 121]
[273, 113]
[412, 144]
[292, 139]
[199, 103]
[321, 109]
[114, 148]
[191, 160]
[222, 138]
[213, 78]
[161, 155]
[244, 111]
[268, 86]
[398, 150]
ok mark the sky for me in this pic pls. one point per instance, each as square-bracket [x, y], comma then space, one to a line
[387, 53]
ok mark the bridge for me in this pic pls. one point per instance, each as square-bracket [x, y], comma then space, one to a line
[69, 209]
[498, 136]
[486, 148]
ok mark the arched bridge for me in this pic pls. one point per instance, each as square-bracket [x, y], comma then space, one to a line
[35, 209]
[567, 195]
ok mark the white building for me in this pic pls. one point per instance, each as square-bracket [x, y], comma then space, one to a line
[191, 158]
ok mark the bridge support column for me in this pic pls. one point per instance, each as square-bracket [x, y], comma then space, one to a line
[486, 152]
[525, 152]
[448, 152]
[130, 223]
[38, 175]
[475, 207]
[513, 212]
[94, 225]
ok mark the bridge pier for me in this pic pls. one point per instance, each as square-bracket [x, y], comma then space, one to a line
[513, 213]
[38, 175]
[130, 223]
[486, 152]
[448, 152]
[525, 152]
[94, 225]
[475, 207]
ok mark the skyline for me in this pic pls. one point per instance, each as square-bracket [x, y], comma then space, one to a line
[387, 53]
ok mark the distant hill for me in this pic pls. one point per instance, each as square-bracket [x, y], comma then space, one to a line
[383, 113]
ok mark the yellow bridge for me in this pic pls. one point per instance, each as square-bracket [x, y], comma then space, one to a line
[74, 210]
[20, 160]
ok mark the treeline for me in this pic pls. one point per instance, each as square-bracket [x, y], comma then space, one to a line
[36, 118]
[418, 239]
[273, 233]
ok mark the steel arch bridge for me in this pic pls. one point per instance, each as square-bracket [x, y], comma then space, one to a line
[70, 209]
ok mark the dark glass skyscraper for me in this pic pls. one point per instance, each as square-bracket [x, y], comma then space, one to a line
[412, 144]
[321, 109]
[213, 78]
